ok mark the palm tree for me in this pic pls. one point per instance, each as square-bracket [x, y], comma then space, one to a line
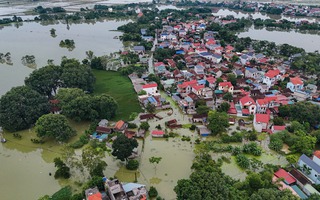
[306, 169]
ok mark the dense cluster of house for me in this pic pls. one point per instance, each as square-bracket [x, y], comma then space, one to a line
[208, 65]
[287, 9]
[300, 180]
[115, 190]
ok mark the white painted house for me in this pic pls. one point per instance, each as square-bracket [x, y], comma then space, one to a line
[260, 122]
[271, 77]
[310, 168]
[151, 89]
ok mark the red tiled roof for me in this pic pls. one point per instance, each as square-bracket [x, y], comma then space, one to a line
[272, 73]
[157, 64]
[96, 196]
[198, 87]
[317, 154]
[281, 173]
[119, 124]
[229, 47]
[224, 84]
[296, 81]
[211, 79]
[151, 85]
[155, 132]
[211, 42]
[264, 118]
[247, 101]
[279, 128]
[187, 83]
[245, 111]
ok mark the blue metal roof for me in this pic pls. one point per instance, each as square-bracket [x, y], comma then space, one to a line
[299, 192]
[310, 163]
[205, 54]
[130, 186]
[152, 100]
[252, 70]
[188, 99]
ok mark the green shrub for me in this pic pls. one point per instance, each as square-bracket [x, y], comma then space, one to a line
[193, 127]
[132, 164]
[132, 125]
[153, 192]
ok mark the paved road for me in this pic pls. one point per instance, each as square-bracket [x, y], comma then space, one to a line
[150, 62]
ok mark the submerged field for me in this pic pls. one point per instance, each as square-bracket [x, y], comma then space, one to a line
[121, 89]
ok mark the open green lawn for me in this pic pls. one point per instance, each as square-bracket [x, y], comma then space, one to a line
[120, 88]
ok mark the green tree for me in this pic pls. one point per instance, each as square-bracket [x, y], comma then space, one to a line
[227, 97]
[53, 32]
[63, 170]
[233, 79]
[91, 107]
[304, 143]
[123, 147]
[207, 185]
[90, 55]
[314, 197]
[66, 95]
[263, 194]
[21, 107]
[92, 160]
[105, 106]
[202, 109]
[234, 59]
[153, 192]
[218, 122]
[75, 75]
[45, 80]
[97, 63]
[278, 121]
[132, 165]
[150, 108]
[224, 107]
[54, 126]
[155, 161]
[145, 126]
[243, 161]
[64, 193]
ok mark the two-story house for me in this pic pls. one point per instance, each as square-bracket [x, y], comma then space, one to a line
[150, 89]
[295, 84]
[247, 105]
[271, 77]
[310, 167]
[261, 122]
[226, 87]
[252, 73]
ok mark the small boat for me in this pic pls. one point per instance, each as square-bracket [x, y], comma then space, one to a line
[115, 37]
[3, 140]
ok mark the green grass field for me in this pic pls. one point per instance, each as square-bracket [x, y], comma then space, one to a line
[121, 89]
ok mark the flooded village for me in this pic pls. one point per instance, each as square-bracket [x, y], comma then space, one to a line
[193, 84]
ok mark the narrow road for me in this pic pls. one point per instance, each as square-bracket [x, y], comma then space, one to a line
[150, 62]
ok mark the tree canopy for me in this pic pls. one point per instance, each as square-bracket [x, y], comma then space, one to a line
[91, 107]
[54, 126]
[21, 107]
[45, 80]
[66, 95]
[302, 112]
[218, 122]
[123, 147]
[76, 75]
